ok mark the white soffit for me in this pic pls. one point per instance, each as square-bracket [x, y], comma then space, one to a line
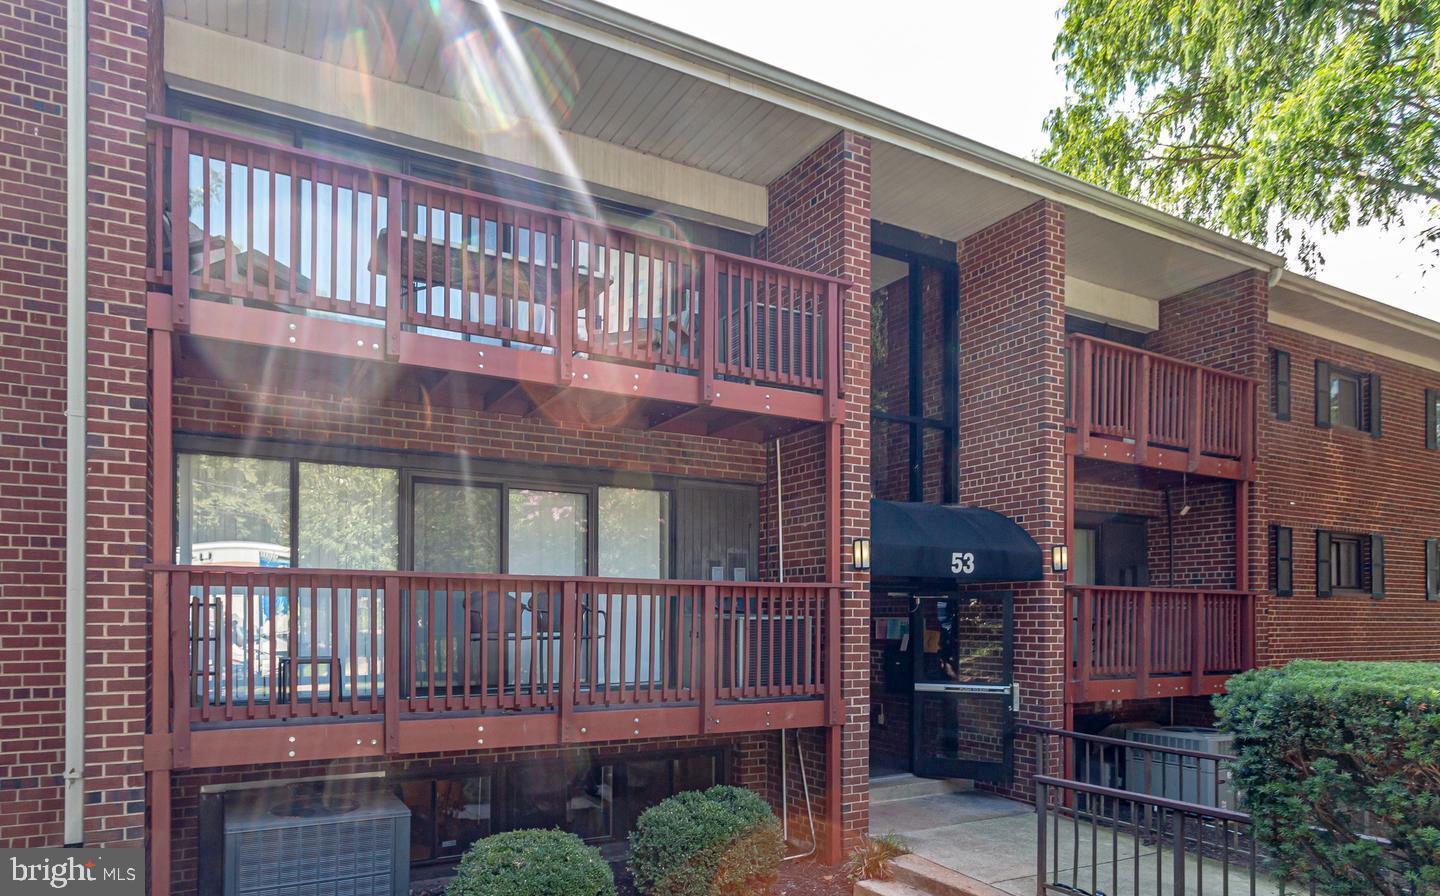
[585, 88]
[1122, 258]
[1112, 306]
[230, 68]
[932, 197]
[1328, 312]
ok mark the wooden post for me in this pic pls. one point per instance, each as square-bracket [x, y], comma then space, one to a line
[394, 641]
[1197, 641]
[709, 657]
[1142, 648]
[1242, 535]
[180, 225]
[160, 821]
[1085, 597]
[394, 277]
[1082, 385]
[565, 317]
[1247, 432]
[181, 689]
[709, 354]
[1197, 415]
[1142, 412]
[569, 631]
[834, 371]
[834, 795]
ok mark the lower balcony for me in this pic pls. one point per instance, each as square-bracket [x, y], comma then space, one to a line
[1135, 643]
[277, 665]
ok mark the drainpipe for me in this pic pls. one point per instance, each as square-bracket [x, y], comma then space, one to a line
[76, 278]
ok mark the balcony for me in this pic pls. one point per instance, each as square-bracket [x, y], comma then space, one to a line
[1134, 643]
[1132, 406]
[278, 665]
[290, 250]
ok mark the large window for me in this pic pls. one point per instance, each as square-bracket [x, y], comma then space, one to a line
[348, 516]
[547, 532]
[276, 511]
[233, 511]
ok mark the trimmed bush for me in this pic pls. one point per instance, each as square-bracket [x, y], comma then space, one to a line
[1339, 766]
[724, 841]
[532, 863]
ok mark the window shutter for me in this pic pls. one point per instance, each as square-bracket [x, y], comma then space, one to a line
[1377, 566]
[1432, 569]
[1322, 564]
[1373, 381]
[1280, 384]
[1432, 437]
[1322, 393]
[1283, 562]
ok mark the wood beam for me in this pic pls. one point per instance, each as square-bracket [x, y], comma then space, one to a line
[692, 421]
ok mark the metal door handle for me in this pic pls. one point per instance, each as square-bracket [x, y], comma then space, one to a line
[939, 687]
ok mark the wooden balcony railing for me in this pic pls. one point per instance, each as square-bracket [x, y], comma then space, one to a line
[1165, 412]
[279, 647]
[277, 227]
[1128, 643]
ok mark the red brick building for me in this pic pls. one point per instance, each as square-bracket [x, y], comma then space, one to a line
[496, 438]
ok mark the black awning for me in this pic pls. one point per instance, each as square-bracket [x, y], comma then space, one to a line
[959, 544]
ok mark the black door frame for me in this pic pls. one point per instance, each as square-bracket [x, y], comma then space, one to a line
[971, 769]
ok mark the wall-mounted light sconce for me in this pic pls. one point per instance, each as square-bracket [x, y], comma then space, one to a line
[1060, 558]
[860, 554]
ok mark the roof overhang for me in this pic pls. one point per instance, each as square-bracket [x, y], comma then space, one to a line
[1329, 312]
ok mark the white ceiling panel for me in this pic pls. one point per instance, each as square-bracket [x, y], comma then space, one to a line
[587, 89]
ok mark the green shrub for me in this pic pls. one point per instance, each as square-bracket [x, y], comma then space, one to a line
[532, 863]
[1339, 766]
[724, 841]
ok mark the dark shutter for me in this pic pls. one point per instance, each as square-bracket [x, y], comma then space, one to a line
[1373, 381]
[1282, 561]
[1432, 412]
[1322, 393]
[1432, 569]
[1322, 564]
[1377, 566]
[1280, 384]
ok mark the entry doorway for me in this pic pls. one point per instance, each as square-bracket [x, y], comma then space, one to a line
[947, 669]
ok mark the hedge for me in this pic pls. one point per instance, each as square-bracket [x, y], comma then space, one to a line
[532, 863]
[1339, 767]
[724, 841]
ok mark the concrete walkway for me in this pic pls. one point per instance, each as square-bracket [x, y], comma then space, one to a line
[992, 839]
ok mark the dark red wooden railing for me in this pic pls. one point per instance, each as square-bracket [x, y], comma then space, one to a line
[250, 643]
[278, 226]
[1120, 392]
[1166, 641]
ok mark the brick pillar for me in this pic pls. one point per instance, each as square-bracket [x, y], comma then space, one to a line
[1012, 442]
[118, 465]
[819, 219]
[1224, 325]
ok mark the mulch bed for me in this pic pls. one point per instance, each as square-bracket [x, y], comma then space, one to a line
[804, 878]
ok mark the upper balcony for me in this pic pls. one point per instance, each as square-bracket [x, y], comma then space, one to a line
[286, 249]
[1133, 406]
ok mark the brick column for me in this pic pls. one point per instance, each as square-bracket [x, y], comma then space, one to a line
[819, 219]
[1012, 437]
[118, 462]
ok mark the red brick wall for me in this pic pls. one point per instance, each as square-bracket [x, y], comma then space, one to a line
[819, 219]
[32, 426]
[1012, 451]
[1343, 480]
[287, 411]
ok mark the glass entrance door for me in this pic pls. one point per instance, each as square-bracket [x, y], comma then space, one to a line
[961, 715]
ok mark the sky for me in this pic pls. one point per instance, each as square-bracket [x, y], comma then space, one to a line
[984, 70]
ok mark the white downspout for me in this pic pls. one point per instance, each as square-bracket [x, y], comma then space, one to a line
[76, 280]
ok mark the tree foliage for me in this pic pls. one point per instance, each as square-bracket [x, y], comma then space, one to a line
[1256, 115]
[1339, 769]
